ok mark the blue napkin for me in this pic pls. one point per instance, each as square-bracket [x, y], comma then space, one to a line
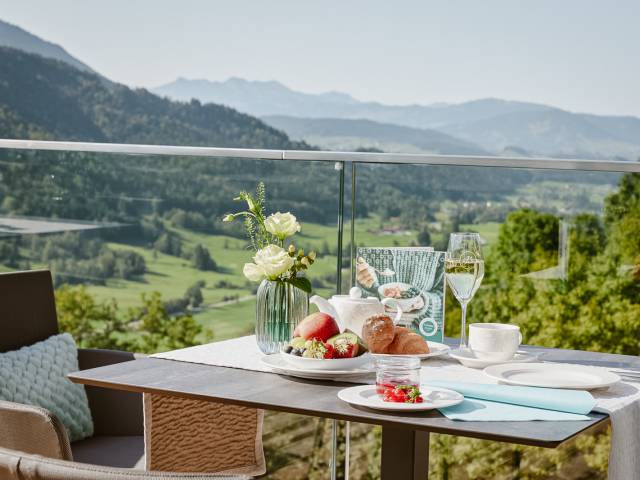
[490, 402]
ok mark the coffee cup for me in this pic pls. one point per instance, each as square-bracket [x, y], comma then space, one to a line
[494, 341]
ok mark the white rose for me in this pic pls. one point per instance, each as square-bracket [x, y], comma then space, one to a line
[253, 272]
[282, 224]
[273, 261]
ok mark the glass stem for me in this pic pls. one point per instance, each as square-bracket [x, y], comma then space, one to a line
[463, 327]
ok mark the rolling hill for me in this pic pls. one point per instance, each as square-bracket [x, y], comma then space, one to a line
[273, 98]
[555, 132]
[493, 124]
[347, 134]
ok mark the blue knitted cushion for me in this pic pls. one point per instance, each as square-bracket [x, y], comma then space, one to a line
[36, 375]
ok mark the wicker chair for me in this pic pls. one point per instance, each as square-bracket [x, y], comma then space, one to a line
[15, 465]
[33, 442]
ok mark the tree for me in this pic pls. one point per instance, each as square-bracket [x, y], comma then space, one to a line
[528, 241]
[424, 237]
[158, 331]
[146, 329]
[169, 243]
[201, 259]
[194, 294]
[92, 325]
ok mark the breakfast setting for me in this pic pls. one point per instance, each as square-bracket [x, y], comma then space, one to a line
[381, 349]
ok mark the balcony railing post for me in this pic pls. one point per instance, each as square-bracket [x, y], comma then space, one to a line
[340, 167]
[352, 239]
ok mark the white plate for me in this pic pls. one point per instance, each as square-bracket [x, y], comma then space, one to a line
[279, 365]
[328, 364]
[553, 375]
[366, 396]
[436, 349]
[468, 358]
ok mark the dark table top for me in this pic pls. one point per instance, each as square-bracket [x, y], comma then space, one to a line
[318, 398]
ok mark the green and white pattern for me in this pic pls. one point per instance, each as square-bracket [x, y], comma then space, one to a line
[416, 268]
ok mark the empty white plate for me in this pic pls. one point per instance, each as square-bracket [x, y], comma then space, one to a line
[468, 358]
[553, 375]
[436, 349]
[279, 365]
[366, 396]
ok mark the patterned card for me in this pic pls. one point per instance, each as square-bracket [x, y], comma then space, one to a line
[413, 277]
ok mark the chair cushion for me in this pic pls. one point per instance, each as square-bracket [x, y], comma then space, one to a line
[115, 451]
[36, 375]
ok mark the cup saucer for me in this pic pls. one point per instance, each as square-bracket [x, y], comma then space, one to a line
[468, 359]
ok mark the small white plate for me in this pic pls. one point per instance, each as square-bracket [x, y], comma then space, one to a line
[468, 358]
[326, 364]
[279, 365]
[553, 375]
[366, 396]
[436, 349]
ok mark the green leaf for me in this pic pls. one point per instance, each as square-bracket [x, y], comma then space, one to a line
[302, 283]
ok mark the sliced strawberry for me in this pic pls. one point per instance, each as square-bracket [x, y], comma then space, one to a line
[330, 352]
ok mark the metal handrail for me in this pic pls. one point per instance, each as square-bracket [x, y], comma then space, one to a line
[326, 156]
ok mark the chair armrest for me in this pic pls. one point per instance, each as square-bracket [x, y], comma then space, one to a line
[114, 412]
[33, 467]
[33, 430]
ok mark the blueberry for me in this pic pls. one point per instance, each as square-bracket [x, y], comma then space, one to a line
[288, 349]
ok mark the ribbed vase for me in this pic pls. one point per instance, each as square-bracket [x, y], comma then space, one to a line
[279, 308]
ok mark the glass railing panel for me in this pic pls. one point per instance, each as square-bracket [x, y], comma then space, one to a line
[562, 261]
[136, 244]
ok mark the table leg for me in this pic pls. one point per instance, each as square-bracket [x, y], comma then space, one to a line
[405, 454]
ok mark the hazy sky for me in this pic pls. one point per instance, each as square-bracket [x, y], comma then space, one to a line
[581, 55]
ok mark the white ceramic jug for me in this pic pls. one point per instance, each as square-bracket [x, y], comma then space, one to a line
[351, 311]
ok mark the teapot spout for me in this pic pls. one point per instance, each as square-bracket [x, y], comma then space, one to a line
[325, 307]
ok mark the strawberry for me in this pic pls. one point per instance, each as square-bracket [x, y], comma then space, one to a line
[402, 394]
[345, 350]
[330, 351]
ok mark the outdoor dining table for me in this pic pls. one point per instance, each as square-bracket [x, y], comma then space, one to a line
[405, 436]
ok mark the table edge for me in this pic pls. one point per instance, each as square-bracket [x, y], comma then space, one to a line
[76, 377]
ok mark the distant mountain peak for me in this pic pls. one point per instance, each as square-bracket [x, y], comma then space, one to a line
[15, 37]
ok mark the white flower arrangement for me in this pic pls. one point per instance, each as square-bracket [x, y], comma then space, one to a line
[268, 235]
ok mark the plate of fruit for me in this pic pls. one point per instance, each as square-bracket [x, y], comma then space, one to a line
[317, 344]
[400, 398]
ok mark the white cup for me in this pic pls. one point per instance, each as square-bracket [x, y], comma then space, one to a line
[494, 341]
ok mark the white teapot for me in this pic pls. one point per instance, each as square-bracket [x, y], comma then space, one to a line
[351, 311]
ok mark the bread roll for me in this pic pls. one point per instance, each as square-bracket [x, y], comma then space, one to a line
[378, 332]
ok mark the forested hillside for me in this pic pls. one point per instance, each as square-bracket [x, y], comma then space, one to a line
[15, 37]
[44, 98]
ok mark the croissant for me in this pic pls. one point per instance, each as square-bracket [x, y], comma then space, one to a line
[406, 342]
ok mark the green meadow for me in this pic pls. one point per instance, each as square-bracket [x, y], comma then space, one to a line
[229, 311]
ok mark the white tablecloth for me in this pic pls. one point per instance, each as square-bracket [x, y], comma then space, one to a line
[621, 402]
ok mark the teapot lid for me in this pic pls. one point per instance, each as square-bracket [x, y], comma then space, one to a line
[355, 295]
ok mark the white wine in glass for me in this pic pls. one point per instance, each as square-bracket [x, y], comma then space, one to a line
[464, 270]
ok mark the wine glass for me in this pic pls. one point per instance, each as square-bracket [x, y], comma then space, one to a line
[464, 270]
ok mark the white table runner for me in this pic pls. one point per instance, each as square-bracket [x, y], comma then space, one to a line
[621, 402]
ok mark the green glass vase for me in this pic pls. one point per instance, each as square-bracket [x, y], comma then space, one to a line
[279, 308]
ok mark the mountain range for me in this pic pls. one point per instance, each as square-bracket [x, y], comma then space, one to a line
[331, 120]
[349, 135]
[492, 125]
